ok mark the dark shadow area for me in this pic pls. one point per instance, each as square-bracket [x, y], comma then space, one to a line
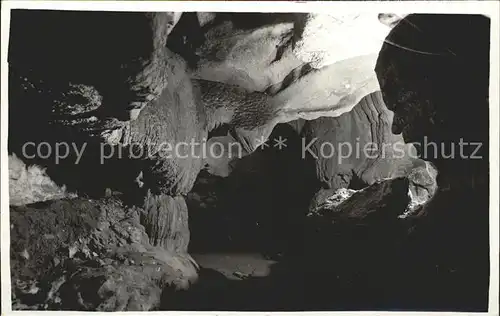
[214, 292]
[48, 54]
[64, 46]
[260, 207]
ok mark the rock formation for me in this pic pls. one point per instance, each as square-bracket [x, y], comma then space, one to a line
[358, 143]
[329, 91]
[358, 149]
[89, 255]
[31, 184]
[323, 39]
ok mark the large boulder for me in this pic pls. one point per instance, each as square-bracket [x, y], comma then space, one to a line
[89, 255]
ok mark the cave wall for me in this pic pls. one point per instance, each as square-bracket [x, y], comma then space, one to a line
[365, 131]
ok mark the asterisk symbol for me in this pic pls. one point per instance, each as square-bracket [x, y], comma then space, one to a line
[280, 142]
[261, 142]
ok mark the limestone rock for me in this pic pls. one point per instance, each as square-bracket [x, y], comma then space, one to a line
[370, 203]
[423, 186]
[75, 115]
[31, 184]
[330, 91]
[221, 152]
[89, 255]
[323, 39]
[205, 17]
[235, 68]
[252, 59]
[359, 149]
[171, 152]
[324, 199]
[77, 100]
[100, 255]
[166, 221]
[76, 106]
[139, 84]
[245, 57]
[358, 143]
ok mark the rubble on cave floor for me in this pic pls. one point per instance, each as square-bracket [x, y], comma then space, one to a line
[83, 254]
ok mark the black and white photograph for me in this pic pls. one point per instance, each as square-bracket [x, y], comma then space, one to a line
[177, 157]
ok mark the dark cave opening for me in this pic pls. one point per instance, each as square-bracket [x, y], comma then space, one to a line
[260, 206]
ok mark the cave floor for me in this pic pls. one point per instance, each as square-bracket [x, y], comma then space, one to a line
[235, 266]
[234, 281]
